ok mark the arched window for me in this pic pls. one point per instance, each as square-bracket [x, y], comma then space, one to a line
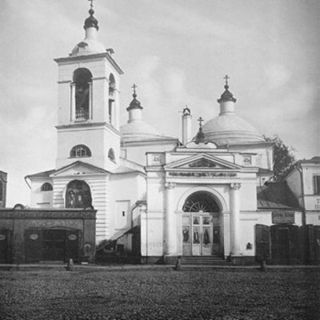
[82, 79]
[201, 201]
[80, 151]
[111, 155]
[46, 187]
[112, 89]
[78, 195]
[112, 84]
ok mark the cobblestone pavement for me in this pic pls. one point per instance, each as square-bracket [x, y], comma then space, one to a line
[160, 294]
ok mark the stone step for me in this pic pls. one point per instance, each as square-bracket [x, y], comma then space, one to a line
[203, 260]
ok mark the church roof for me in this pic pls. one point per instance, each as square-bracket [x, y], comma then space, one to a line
[136, 129]
[228, 128]
[315, 160]
[276, 196]
[42, 174]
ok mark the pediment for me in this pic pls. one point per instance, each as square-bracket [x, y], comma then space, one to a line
[202, 161]
[79, 168]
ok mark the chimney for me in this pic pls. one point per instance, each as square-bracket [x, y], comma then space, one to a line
[186, 126]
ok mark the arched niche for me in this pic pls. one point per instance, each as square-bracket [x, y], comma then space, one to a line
[111, 155]
[78, 195]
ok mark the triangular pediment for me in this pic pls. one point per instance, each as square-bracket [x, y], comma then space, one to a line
[202, 161]
[79, 168]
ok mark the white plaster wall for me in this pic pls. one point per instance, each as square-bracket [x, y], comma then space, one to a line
[98, 139]
[40, 199]
[152, 223]
[125, 187]
[248, 195]
[248, 220]
[100, 192]
[138, 153]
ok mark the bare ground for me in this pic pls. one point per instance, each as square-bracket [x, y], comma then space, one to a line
[160, 294]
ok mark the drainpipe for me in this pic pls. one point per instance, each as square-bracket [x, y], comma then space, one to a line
[303, 201]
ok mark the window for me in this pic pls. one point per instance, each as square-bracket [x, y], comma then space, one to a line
[316, 184]
[80, 151]
[112, 85]
[111, 155]
[46, 187]
[82, 79]
[1, 191]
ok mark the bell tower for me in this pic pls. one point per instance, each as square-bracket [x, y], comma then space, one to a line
[88, 102]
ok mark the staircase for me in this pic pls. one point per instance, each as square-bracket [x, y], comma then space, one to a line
[203, 260]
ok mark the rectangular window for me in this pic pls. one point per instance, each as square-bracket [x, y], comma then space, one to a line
[316, 184]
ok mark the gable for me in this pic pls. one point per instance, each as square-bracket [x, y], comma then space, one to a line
[202, 161]
[79, 168]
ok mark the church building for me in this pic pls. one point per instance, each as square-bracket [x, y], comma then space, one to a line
[155, 196]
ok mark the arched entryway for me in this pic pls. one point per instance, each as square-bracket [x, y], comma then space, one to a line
[78, 195]
[201, 225]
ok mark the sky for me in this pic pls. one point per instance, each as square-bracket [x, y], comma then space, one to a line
[177, 52]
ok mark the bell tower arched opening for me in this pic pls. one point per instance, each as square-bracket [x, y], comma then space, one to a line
[111, 99]
[82, 79]
[201, 225]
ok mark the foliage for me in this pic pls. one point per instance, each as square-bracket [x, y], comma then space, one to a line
[283, 157]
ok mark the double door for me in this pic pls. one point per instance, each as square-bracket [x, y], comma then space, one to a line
[200, 236]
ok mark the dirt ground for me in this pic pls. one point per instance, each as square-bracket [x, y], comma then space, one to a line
[160, 294]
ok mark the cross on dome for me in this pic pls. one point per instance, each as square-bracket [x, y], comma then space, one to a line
[91, 4]
[134, 87]
[226, 78]
[200, 122]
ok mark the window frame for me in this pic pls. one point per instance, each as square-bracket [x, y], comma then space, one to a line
[80, 151]
[45, 187]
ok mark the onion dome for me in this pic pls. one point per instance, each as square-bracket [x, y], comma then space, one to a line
[136, 129]
[90, 44]
[228, 128]
[227, 95]
[200, 137]
[134, 104]
[91, 22]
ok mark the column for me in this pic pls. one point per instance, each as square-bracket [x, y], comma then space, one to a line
[170, 221]
[72, 101]
[235, 219]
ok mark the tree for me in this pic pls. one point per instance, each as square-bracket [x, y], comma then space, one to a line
[283, 157]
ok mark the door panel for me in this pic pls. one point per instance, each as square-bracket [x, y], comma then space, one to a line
[197, 235]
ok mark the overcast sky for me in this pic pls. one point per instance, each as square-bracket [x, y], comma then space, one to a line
[177, 51]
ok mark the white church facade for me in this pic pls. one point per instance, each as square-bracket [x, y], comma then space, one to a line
[194, 197]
